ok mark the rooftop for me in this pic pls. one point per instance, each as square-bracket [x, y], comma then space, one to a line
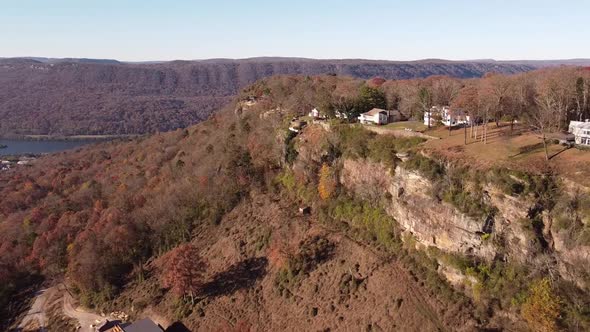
[580, 124]
[374, 111]
[144, 325]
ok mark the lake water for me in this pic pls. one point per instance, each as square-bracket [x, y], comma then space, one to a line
[38, 147]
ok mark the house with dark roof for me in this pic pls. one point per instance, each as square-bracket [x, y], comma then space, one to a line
[143, 325]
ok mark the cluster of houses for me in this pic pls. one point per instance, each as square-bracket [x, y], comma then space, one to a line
[6, 165]
[375, 116]
[579, 131]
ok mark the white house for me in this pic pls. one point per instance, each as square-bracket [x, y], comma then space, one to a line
[434, 115]
[375, 116]
[341, 115]
[581, 131]
[454, 117]
[315, 113]
[446, 115]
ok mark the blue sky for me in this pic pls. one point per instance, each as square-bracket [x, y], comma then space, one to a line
[135, 30]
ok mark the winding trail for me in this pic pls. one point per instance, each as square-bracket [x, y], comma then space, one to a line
[38, 313]
[36, 316]
[85, 319]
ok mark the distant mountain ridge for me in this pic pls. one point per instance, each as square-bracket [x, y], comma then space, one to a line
[59, 60]
[102, 96]
[536, 63]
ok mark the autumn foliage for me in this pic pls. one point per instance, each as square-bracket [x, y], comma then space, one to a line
[101, 213]
[184, 271]
[542, 308]
[327, 183]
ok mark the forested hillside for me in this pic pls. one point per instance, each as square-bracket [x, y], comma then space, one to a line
[395, 236]
[88, 97]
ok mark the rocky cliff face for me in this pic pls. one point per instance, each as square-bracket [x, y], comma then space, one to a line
[407, 197]
[409, 201]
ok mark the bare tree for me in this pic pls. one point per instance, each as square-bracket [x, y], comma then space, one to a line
[545, 117]
[499, 86]
[425, 102]
[522, 97]
[445, 90]
[582, 95]
[488, 101]
[558, 86]
[468, 100]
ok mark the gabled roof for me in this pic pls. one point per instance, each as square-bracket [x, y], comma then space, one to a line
[374, 111]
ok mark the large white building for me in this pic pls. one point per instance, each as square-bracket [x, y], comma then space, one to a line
[375, 116]
[446, 116]
[581, 131]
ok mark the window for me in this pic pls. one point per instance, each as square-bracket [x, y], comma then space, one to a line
[585, 141]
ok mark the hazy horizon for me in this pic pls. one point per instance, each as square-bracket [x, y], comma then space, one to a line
[137, 31]
[298, 58]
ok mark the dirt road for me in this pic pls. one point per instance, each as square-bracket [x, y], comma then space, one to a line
[85, 319]
[36, 318]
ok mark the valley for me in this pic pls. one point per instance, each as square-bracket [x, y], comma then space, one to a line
[69, 97]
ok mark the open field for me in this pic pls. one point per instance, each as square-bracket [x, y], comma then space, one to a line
[520, 149]
[401, 125]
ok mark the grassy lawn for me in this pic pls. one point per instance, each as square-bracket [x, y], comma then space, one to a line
[504, 148]
[401, 125]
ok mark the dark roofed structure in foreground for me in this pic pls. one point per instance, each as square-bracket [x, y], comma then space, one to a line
[144, 325]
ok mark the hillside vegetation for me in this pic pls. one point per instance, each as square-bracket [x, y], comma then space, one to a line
[388, 244]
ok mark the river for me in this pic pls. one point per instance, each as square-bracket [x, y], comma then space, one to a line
[16, 147]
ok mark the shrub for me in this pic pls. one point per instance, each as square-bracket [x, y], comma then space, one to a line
[572, 215]
[510, 182]
[542, 307]
[290, 151]
[425, 166]
[382, 149]
[327, 183]
[354, 141]
[373, 222]
[312, 252]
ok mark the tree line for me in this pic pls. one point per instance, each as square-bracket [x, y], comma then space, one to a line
[543, 100]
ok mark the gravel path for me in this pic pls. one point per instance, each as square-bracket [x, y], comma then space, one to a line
[36, 318]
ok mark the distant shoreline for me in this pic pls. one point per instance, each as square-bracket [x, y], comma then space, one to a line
[67, 138]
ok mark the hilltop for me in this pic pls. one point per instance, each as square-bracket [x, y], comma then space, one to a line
[389, 235]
